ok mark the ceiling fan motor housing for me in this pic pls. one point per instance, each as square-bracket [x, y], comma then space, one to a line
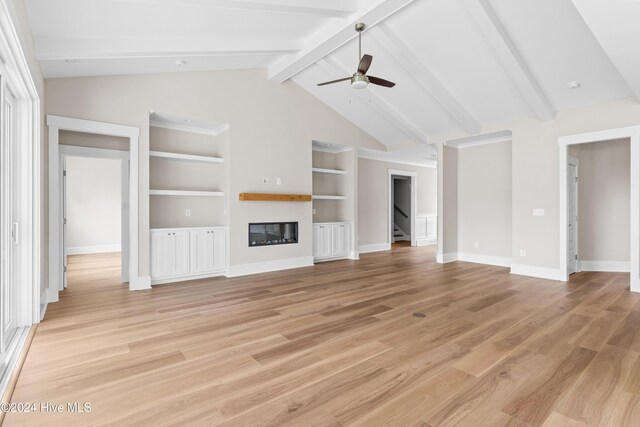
[359, 81]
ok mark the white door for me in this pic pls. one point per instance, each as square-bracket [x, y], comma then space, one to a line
[202, 251]
[64, 222]
[572, 217]
[181, 251]
[321, 241]
[339, 239]
[219, 249]
[162, 254]
[9, 292]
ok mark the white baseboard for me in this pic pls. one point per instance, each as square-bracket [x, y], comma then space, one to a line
[44, 303]
[425, 241]
[52, 295]
[355, 255]
[186, 278]
[611, 266]
[535, 271]
[265, 267]
[79, 250]
[485, 259]
[377, 247]
[445, 258]
[141, 284]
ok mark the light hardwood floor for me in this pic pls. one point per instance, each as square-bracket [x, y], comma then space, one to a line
[393, 339]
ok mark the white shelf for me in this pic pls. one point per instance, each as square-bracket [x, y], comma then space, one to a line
[185, 193]
[324, 197]
[188, 157]
[329, 171]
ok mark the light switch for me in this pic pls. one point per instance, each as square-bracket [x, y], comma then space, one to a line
[187, 212]
[538, 212]
[278, 181]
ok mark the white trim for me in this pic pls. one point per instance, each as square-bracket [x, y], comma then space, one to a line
[354, 255]
[91, 152]
[330, 148]
[56, 250]
[445, 258]
[376, 247]
[14, 352]
[267, 266]
[431, 164]
[474, 141]
[535, 271]
[612, 266]
[143, 283]
[329, 171]
[186, 278]
[414, 202]
[633, 134]
[191, 129]
[426, 241]
[498, 261]
[98, 249]
[187, 157]
[186, 193]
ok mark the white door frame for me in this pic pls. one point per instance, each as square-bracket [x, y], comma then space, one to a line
[123, 156]
[633, 134]
[575, 162]
[56, 124]
[414, 198]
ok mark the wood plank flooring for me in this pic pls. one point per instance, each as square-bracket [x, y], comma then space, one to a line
[393, 339]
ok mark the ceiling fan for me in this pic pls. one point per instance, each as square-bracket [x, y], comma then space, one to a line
[360, 79]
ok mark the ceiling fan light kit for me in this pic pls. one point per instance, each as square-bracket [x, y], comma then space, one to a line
[360, 80]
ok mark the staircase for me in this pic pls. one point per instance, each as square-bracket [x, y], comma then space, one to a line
[399, 234]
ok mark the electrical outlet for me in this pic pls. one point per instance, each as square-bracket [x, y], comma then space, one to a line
[265, 180]
[314, 211]
[538, 212]
[187, 212]
[278, 181]
[523, 253]
[225, 212]
[476, 245]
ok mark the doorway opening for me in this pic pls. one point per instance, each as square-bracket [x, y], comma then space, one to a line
[402, 207]
[598, 197]
[631, 134]
[95, 199]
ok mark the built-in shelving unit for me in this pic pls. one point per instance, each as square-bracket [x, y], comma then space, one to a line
[188, 174]
[185, 157]
[329, 171]
[186, 193]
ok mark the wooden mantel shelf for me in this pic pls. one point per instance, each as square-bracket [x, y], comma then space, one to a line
[265, 197]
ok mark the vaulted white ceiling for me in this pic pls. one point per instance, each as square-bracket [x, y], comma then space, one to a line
[459, 65]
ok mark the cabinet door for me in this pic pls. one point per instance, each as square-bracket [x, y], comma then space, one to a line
[202, 251]
[219, 249]
[340, 239]
[321, 241]
[181, 252]
[162, 254]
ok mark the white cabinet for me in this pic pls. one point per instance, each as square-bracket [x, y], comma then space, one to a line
[322, 240]
[169, 253]
[207, 250]
[185, 253]
[331, 240]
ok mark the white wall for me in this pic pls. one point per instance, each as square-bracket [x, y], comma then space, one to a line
[271, 127]
[603, 200]
[484, 200]
[93, 205]
[373, 197]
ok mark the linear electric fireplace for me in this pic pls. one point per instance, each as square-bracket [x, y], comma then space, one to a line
[272, 233]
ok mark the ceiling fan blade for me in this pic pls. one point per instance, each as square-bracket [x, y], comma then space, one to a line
[380, 82]
[334, 81]
[365, 63]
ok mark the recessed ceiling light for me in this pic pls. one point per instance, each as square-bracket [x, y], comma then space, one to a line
[180, 63]
[188, 120]
[574, 84]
